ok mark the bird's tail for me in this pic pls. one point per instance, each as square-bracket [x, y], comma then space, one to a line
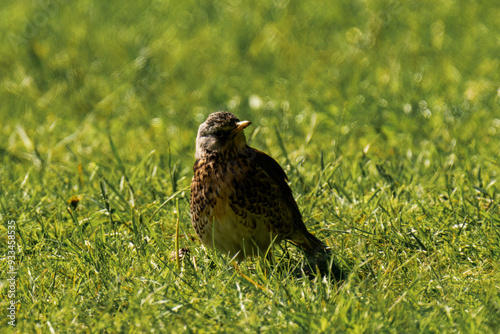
[320, 256]
[324, 262]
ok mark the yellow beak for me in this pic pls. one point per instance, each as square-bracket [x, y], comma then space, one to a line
[241, 125]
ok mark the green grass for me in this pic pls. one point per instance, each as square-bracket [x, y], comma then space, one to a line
[385, 115]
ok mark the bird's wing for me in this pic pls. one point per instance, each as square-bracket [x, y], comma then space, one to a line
[278, 176]
[270, 198]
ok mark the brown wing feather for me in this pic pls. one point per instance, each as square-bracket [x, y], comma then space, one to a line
[299, 234]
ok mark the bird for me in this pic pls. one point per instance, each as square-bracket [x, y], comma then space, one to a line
[241, 202]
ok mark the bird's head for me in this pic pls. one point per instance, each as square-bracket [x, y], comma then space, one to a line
[221, 133]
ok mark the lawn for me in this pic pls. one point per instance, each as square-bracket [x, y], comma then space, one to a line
[384, 114]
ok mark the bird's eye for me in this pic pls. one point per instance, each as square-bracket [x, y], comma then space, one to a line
[218, 133]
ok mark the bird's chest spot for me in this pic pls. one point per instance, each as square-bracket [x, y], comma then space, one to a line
[220, 190]
[209, 187]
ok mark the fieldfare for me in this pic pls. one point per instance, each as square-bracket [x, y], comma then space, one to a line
[240, 199]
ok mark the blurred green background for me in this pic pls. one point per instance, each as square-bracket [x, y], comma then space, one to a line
[150, 71]
[385, 114]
